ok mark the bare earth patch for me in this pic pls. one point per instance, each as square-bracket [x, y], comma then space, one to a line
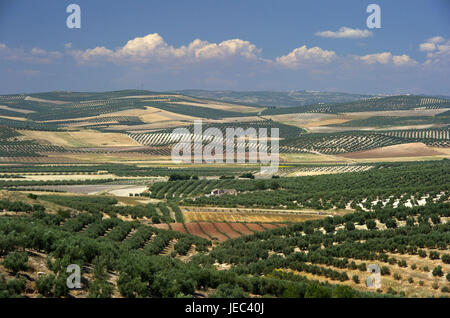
[415, 149]
[35, 99]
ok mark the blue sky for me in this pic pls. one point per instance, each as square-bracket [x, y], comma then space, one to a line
[238, 45]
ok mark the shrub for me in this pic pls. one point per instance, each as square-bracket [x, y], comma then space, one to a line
[385, 270]
[437, 271]
[391, 291]
[63, 213]
[341, 291]
[371, 225]
[433, 255]
[274, 185]
[229, 291]
[16, 261]
[349, 226]
[316, 291]
[402, 263]
[391, 224]
[44, 284]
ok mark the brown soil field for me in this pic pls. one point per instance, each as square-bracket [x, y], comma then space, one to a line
[227, 229]
[212, 231]
[415, 149]
[255, 227]
[221, 231]
[241, 228]
[179, 227]
[162, 226]
[194, 229]
[270, 226]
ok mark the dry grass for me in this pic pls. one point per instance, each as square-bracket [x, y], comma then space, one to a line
[13, 118]
[56, 102]
[79, 139]
[214, 214]
[246, 217]
[221, 106]
[310, 120]
[17, 110]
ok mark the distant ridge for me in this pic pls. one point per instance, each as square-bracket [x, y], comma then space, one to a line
[275, 98]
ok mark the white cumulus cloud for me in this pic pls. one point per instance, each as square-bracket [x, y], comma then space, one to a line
[303, 56]
[438, 50]
[345, 32]
[152, 47]
[403, 60]
[387, 58]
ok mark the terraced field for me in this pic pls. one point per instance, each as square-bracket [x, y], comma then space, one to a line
[218, 231]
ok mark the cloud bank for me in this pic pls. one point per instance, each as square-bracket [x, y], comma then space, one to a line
[230, 64]
[153, 48]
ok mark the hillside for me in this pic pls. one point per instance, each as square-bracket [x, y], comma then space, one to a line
[275, 98]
